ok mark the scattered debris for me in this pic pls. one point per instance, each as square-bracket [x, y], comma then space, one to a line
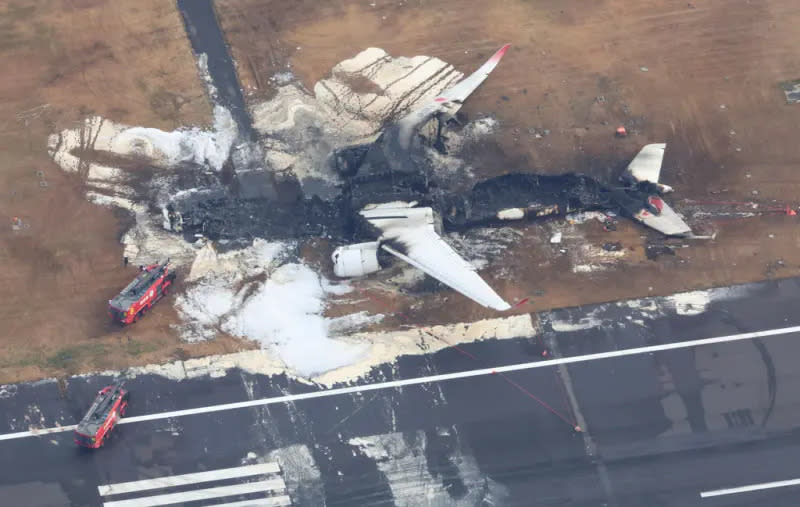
[585, 216]
[42, 180]
[612, 247]
[773, 267]
[282, 78]
[588, 258]
[609, 224]
[654, 251]
[791, 90]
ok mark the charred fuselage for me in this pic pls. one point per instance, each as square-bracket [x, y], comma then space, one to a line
[387, 170]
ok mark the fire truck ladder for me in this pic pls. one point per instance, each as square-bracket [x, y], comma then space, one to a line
[100, 412]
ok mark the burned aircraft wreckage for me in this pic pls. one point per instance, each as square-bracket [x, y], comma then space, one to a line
[391, 200]
[221, 213]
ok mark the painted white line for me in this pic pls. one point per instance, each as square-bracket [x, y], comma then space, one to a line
[38, 433]
[275, 501]
[182, 480]
[200, 494]
[752, 487]
[426, 380]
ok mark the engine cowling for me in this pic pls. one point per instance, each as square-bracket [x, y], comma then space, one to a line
[356, 260]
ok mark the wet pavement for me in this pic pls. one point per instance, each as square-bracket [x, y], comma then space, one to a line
[659, 427]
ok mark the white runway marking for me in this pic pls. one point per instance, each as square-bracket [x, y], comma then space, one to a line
[275, 501]
[752, 487]
[268, 482]
[200, 494]
[426, 380]
[182, 480]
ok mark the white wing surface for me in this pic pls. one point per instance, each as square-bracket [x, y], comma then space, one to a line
[409, 234]
[450, 100]
[667, 222]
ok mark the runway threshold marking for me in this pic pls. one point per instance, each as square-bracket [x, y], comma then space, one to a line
[185, 479]
[751, 487]
[268, 481]
[425, 380]
[200, 494]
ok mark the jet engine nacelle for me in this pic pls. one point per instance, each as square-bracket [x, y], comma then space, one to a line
[356, 260]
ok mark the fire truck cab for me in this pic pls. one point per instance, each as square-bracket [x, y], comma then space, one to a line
[109, 406]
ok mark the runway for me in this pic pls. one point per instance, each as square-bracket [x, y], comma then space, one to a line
[662, 420]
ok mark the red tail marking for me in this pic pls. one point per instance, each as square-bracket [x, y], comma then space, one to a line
[500, 52]
[657, 202]
[522, 302]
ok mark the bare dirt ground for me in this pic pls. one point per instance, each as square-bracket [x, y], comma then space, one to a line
[703, 77]
[127, 60]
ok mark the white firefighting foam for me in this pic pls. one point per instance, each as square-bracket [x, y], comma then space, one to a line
[378, 348]
[256, 292]
[402, 458]
[362, 95]
[162, 149]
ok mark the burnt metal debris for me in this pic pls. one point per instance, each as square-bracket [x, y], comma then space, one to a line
[384, 171]
[243, 202]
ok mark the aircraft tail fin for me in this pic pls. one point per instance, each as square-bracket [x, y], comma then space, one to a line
[646, 165]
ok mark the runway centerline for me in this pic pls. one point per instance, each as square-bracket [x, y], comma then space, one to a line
[424, 380]
[749, 488]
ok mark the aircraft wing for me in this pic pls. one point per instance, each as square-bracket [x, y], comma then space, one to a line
[667, 222]
[646, 166]
[450, 100]
[409, 234]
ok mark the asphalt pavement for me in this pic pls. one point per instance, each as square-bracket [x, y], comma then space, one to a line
[653, 428]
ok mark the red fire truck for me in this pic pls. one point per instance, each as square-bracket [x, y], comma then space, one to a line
[142, 293]
[109, 406]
